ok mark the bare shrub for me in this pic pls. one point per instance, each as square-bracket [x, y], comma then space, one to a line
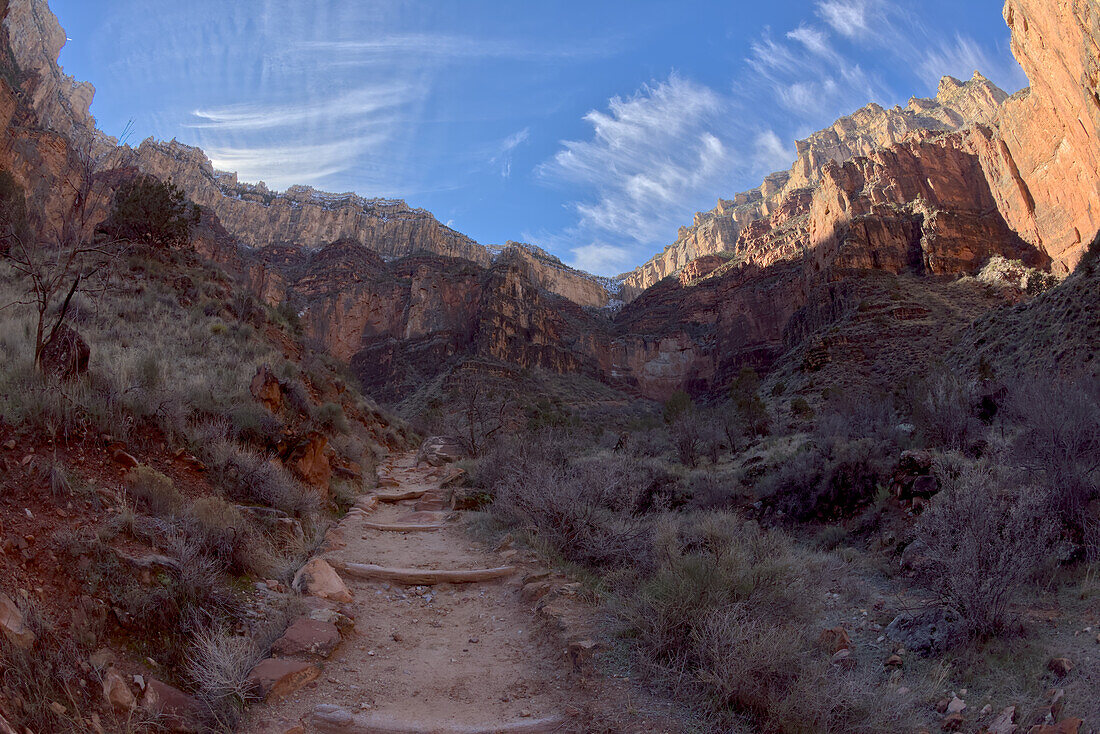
[583, 510]
[687, 437]
[942, 406]
[827, 479]
[726, 620]
[985, 538]
[1059, 442]
[248, 476]
[155, 490]
[218, 664]
[39, 678]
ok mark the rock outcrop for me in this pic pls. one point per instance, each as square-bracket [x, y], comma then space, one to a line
[957, 105]
[1042, 154]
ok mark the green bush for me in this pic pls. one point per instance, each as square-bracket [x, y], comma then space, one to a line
[149, 211]
[155, 490]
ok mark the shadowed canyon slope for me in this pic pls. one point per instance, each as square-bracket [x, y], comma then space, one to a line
[933, 189]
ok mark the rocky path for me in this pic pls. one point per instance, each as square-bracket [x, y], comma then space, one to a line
[445, 638]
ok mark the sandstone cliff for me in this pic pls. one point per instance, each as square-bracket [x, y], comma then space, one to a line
[255, 215]
[956, 105]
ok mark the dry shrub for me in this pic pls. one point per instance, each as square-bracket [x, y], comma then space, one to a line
[1059, 442]
[943, 410]
[248, 476]
[827, 479]
[727, 620]
[583, 509]
[218, 664]
[984, 538]
[155, 490]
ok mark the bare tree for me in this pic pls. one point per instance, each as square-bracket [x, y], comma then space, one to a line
[58, 256]
[481, 411]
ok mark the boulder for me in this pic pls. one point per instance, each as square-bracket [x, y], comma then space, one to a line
[1061, 667]
[307, 458]
[834, 639]
[266, 389]
[13, 626]
[439, 450]
[66, 354]
[275, 678]
[308, 637]
[318, 578]
[1066, 726]
[175, 710]
[1002, 724]
[117, 694]
[932, 631]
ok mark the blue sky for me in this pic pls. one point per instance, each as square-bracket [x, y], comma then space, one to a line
[594, 129]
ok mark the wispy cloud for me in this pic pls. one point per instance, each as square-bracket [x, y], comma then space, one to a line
[440, 46]
[649, 158]
[503, 157]
[280, 166]
[357, 103]
[849, 18]
[962, 56]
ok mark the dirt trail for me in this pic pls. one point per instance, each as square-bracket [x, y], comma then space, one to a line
[444, 658]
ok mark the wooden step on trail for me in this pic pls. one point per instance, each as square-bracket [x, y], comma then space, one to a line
[412, 494]
[425, 576]
[404, 527]
[335, 720]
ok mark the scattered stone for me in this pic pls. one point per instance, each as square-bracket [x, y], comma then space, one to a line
[581, 653]
[894, 661]
[930, 632]
[953, 722]
[1003, 723]
[317, 578]
[1066, 726]
[956, 705]
[308, 637]
[102, 659]
[275, 678]
[1061, 667]
[174, 709]
[266, 389]
[13, 626]
[843, 659]
[834, 640]
[439, 450]
[123, 459]
[117, 694]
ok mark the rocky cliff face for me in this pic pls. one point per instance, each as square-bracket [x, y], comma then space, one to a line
[956, 105]
[1042, 155]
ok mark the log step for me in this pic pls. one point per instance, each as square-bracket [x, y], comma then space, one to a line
[335, 720]
[412, 494]
[403, 527]
[424, 576]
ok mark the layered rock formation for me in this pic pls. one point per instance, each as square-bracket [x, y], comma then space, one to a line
[956, 105]
[1042, 155]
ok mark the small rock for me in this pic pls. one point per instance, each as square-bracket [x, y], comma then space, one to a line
[834, 640]
[13, 626]
[956, 705]
[117, 694]
[1066, 726]
[275, 678]
[581, 653]
[175, 710]
[986, 710]
[843, 659]
[123, 459]
[1061, 667]
[894, 661]
[953, 722]
[308, 637]
[1002, 724]
[318, 578]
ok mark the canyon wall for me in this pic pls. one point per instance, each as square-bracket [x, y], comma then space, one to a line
[956, 106]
